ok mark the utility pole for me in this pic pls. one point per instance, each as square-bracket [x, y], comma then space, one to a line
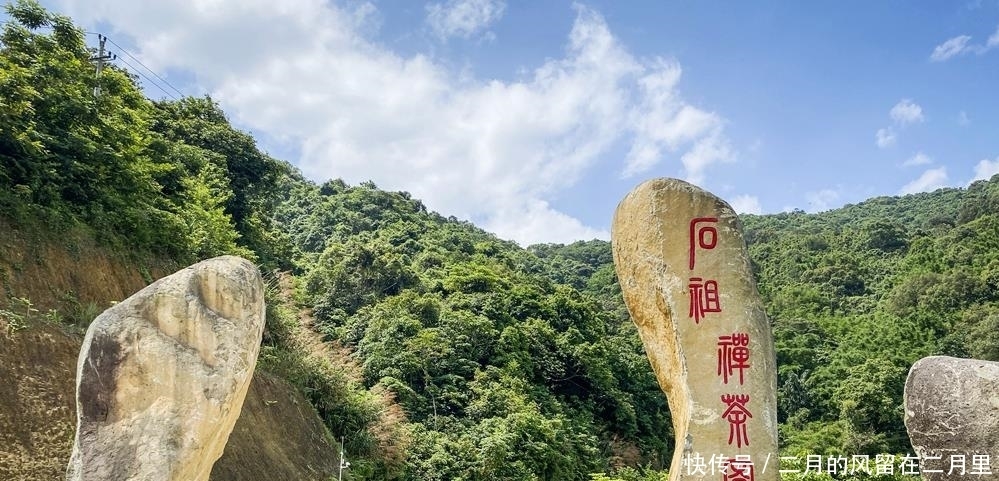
[101, 57]
[343, 462]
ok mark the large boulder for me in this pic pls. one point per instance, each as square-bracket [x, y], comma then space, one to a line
[278, 435]
[162, 376]
[685, 275]
[952, 416]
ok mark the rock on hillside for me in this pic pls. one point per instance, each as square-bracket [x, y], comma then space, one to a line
[278, 435]
[163, 374]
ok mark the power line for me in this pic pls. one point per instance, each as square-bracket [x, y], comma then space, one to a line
[135, 69]
[139, 72]
[104, 56]
[144, 66]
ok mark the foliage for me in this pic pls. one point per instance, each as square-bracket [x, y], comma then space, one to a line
[143, 175]
[631, 474]
[19, 315]
[856, 295]
[368, 419]
[441, 352]
[504, 372]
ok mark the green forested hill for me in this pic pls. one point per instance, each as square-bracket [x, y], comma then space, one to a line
[503, 372]
[449, 353]
[855, 296]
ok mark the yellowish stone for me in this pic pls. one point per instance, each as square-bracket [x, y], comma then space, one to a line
[686, 278]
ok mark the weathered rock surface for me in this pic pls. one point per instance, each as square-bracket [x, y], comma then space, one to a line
[278, 435]
[685, 274]
[952, 416]
[162, 376]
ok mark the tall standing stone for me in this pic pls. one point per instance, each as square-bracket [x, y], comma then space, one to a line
[685, 274]
[162, 376]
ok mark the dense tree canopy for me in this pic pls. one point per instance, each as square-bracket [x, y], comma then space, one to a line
[477, 359]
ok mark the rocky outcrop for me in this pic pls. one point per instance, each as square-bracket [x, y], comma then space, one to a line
[952, 417]
[685, 274]
[278, 435]
[162, 376]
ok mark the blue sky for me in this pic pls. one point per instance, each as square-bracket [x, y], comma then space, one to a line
[533, 119]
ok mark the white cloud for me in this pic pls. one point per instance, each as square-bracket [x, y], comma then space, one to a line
[951, 48]
[986, 169]
[931, 180]
[918, 159]
[822, 200]
[463, 18]
[962, 118]
[906, 112]
[663, 122]
[706, 151]
[747, 204]
[959, 46]
[885, 137]
[538, 223]
[491, 151]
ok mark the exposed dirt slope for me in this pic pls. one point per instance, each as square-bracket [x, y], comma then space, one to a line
[278, 436]
[37, 402]
[55, 269]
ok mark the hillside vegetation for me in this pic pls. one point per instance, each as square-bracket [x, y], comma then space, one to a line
[440, 352]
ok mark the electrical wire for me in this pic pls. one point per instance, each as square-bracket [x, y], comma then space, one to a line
[135, 69]
[139, 72]
[144, 66]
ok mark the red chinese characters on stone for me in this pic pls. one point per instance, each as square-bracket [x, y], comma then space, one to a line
[738, 469]
[703, 293]
[733, 355]
[703, 298]
[705, 237]
[737, 414]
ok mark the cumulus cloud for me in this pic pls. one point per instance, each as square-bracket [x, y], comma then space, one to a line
[986, 169]
[907, 112]
[491, 151]
[918, 159]
[822, 200]
[951, 48]
[747, 204]
[885, 137]
[663, 122]
[931, 180]
[538, 222]
[463, 18]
